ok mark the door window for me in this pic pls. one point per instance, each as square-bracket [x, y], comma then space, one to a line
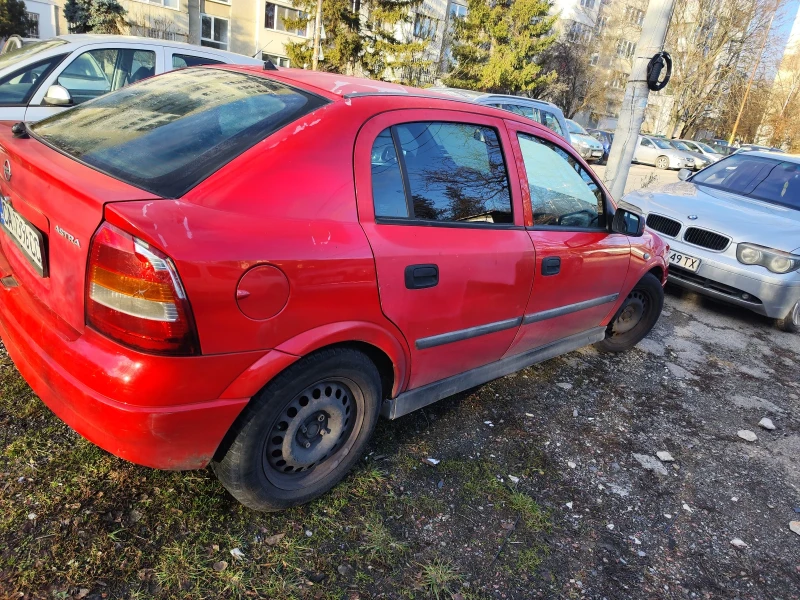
[562, 192]
[525, 111]
[98, 72]
[180, 61]
[453, 172]
[17, 88]
[646, 143]
[550, 121]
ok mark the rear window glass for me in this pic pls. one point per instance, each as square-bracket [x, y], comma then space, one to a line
[168, 133]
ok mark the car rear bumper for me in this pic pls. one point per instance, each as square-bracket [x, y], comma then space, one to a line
[766, 294]
[162, 412]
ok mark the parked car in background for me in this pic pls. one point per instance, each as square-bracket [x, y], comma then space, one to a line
[177, 311]
[661, 154]
[720, 146]
[734, 232]
[541, 111]
[43, 78]
[588, 147]
[700, 161]
[606, 138]
[15, 42]
[704, 149]
[755, 147]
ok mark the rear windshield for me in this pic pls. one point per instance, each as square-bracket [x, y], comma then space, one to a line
[168, 133]
[767, 179]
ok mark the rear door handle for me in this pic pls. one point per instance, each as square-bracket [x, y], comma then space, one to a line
[419, 277]
[551, 265]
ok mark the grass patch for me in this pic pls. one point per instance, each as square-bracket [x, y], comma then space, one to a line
[440, 578]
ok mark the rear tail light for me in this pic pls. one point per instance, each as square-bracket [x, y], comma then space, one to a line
[134, 295]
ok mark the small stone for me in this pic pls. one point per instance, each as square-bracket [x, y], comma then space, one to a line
[489, 423]
[32, 516]
[432, 461]
[574, 412]
[641, 553]
[571, 464]
[665, 456]
[513, 479]
[747, 435]
[136, 516]
[738, 543]
[651, 464]
[569, 505]
[309, 533]
[237, 554]
[82, 593]
[345, 570]
[735, 499]
[766, 424]
[273, 540]
[795, 526]
[220, 566]
[440, 485]
[610, 527]
[565, 386]
[667, 515]
[687, 508]
[529, 415]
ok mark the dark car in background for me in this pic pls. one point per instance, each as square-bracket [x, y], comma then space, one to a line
[720, 146]
[606, 138]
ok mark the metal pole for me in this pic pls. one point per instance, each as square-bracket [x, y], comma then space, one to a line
[634, 103]
[317, 35]
[752, 78]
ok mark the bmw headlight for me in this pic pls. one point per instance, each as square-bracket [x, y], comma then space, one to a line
[776, 261]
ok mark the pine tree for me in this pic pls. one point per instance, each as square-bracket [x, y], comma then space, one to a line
[94, 16]
[78, 13]
[13, 18]
[496, 46]
[360, 37]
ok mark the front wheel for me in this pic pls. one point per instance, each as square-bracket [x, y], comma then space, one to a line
[636, 317]
[301, 435]
[662, 162]
[790, 322]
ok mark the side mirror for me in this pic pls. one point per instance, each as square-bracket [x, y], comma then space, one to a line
[58, 95]
[628, 222]
[684, 174]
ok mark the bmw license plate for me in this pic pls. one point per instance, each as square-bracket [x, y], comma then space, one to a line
[682, 260]
[597, 153]
[29, 239]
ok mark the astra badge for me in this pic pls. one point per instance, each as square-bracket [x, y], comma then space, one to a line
[68, 236]
[693, 217]
[7, 170]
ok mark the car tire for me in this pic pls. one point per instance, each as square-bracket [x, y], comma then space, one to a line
[303, 432]
[791, 322]
[636, 317]
[662, 162]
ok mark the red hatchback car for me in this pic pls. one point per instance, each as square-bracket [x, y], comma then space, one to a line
[245, 268]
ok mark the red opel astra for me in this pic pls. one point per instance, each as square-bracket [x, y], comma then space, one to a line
[245, 268]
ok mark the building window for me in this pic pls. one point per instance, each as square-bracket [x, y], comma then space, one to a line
[619, 80]
[213, 32]
[275, 15]
[278, 61]
[625, 49]
[457, 11]
[601, 25]
[578, 32]
[425, 27]
[33, 19]
[634, 15]
[593, 59]
[168, 3]
[587, 4]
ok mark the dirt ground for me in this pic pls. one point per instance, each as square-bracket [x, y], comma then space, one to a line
[540, 490]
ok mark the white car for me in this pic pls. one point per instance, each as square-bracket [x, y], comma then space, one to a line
[42, 78]
[661, 154]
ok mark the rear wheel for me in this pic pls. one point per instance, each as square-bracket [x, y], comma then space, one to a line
[636, 317]
[662, 162]
[301, 434]
[790, 322]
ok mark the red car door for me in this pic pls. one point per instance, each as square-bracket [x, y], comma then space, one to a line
[580, 264]
[443, 214]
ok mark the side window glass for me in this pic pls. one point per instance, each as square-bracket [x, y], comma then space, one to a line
[549, 120]
[562, 192]
[646, 143]
[18, 87]
[455, 172]
[388, 193]
[180, 61]
[98, 72]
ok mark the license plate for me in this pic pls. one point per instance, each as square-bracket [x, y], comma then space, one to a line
[682, 260]
[27, 238]
[597, 153]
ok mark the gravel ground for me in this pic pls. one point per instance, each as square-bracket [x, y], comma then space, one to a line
[548, 486]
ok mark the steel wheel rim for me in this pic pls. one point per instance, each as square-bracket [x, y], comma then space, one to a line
[662, 163]
[636, 307]
[314, 432]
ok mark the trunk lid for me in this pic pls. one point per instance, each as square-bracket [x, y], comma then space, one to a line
[63, 199]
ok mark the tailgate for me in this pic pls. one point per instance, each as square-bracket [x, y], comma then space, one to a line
[52, 206]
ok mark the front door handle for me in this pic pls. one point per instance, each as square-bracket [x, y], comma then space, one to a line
[551, 265]
[419, 277]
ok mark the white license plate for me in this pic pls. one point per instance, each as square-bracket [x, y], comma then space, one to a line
[29, 239]
[597, 153]
[682, 260]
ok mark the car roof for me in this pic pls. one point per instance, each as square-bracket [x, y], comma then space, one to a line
[73, 41]
[783, 157]
[483, 96]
